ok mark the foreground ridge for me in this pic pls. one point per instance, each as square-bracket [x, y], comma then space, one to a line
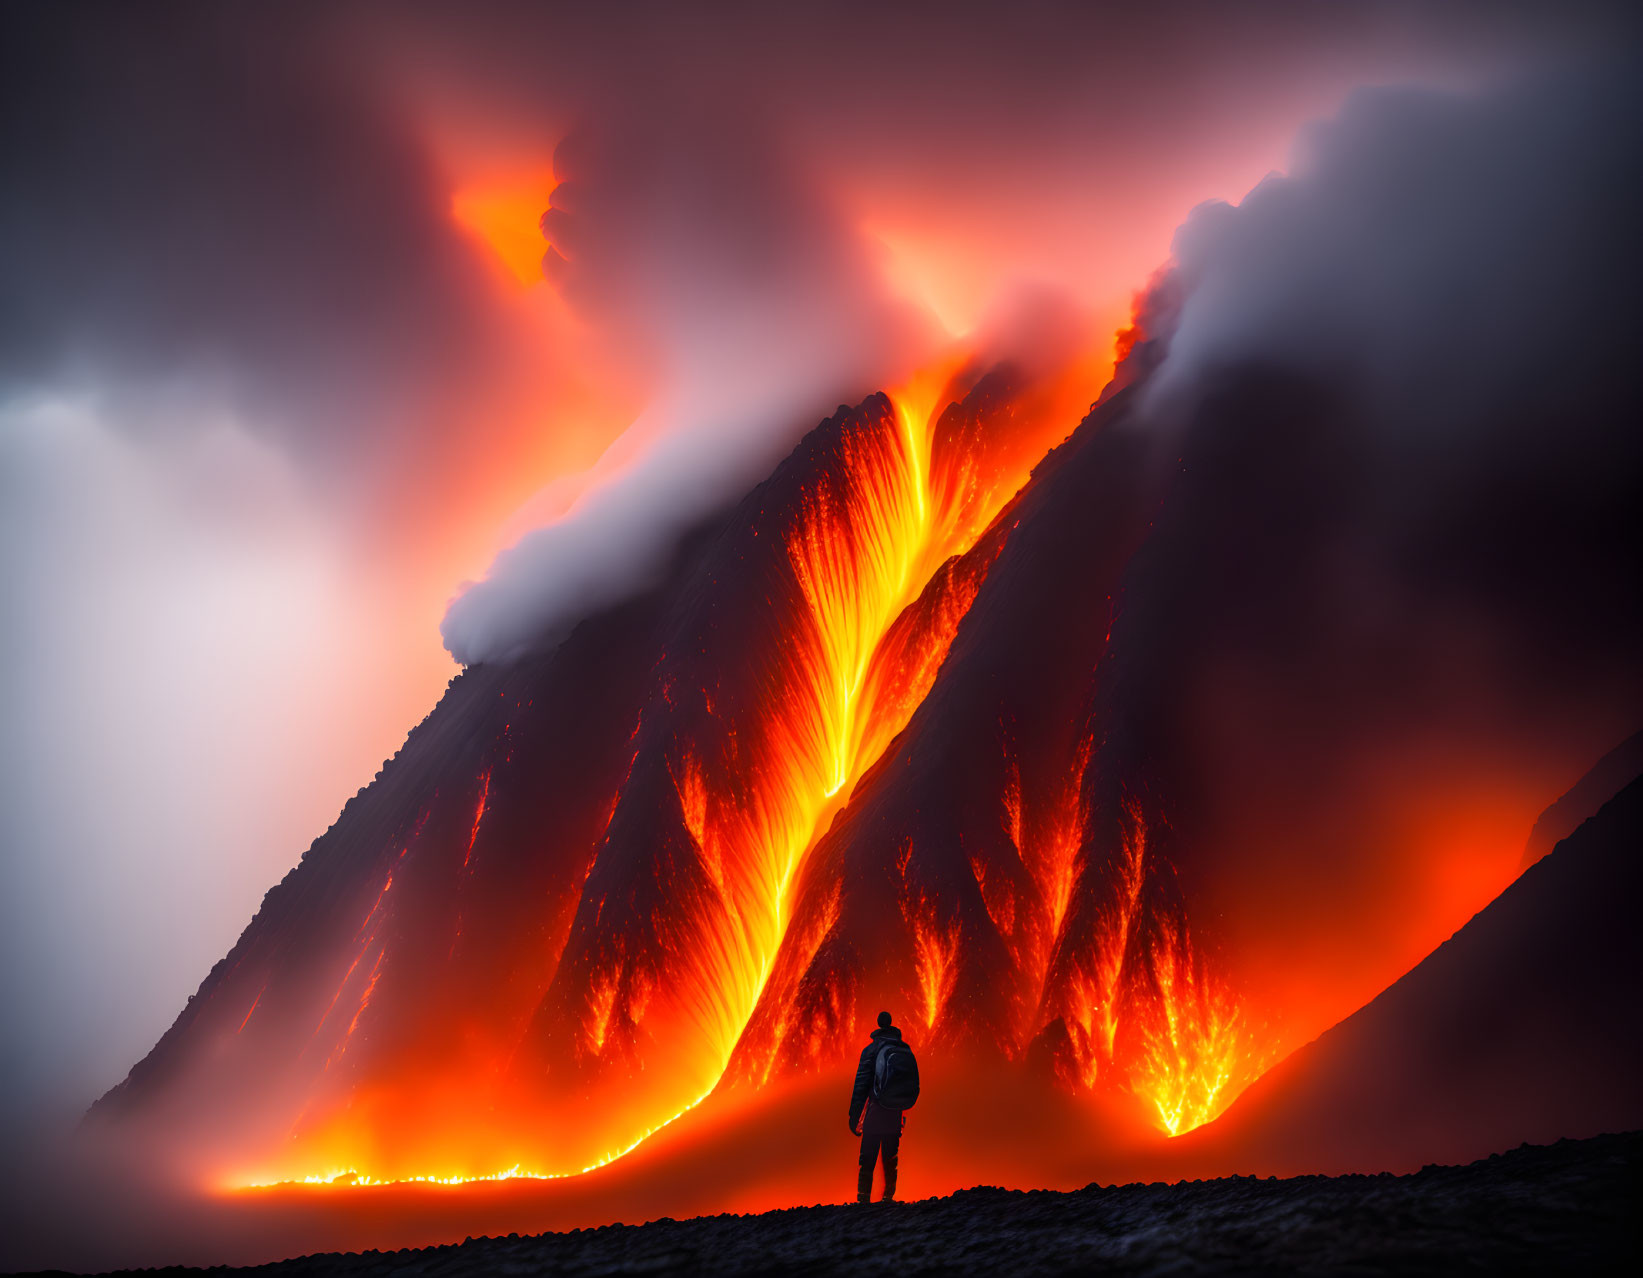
[1564, 1207]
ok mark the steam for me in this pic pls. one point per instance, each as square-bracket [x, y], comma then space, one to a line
[1456, 278]
[759, 311]
[182, 582]
[1396, 392]
[285, 246]
[1457, 258]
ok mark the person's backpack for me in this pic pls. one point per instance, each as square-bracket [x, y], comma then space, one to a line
[895, 1076]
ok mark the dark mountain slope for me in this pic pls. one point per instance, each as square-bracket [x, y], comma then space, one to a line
[1607, 777]
[1523, 1026]
[427, 921]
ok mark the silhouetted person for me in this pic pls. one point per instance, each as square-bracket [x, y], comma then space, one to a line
[887, 1084]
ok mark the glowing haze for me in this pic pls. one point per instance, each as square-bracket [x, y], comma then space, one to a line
[339, 345]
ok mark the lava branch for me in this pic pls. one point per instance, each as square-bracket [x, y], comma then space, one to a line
[1145, 1012]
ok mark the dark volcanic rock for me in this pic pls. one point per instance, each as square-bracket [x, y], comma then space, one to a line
[1523, 1025]
[1607, 778]
[1569, 1207]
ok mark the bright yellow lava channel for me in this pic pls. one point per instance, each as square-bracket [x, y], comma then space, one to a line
[351, 1178]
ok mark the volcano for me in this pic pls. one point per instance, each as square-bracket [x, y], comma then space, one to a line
[818, 770]
[936, 718]
[571, 888]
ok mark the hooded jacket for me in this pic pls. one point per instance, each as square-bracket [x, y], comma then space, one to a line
[880, 1121]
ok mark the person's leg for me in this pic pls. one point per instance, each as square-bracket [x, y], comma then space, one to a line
[864, 1175]
[892, 1148]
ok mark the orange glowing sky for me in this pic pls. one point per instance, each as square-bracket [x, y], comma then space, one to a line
[503, 216]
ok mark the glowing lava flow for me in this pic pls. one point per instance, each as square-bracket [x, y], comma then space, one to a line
[853, 563]
[479, 815]
[1146, 1013]
[348, 1177]
[798, 652]
[1195, 1052]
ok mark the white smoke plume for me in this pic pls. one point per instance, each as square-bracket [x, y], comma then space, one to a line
[1461, 253]
[759, 311]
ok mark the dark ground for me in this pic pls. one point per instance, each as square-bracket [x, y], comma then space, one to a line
[1572, 1207]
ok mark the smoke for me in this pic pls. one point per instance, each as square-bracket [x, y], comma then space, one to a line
[1463, 254]
[1390, 609]
[183, 579]
[234, 321]
[756, 306]
[1455, 278]
[223, 201]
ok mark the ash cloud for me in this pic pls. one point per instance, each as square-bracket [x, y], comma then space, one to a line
[1458, 278]
[1465, 253]
[232, 312]
[222, 201]
[1398, 559]
[757, 307]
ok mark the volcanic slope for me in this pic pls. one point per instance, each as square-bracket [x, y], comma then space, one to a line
[1607, 777]
[1522, 1026]
[570, 885]
[417, 933]
[1006, 875]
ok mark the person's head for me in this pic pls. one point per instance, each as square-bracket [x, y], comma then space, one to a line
[884, 1020]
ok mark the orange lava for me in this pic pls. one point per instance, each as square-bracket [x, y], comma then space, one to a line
[1148, 1014]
